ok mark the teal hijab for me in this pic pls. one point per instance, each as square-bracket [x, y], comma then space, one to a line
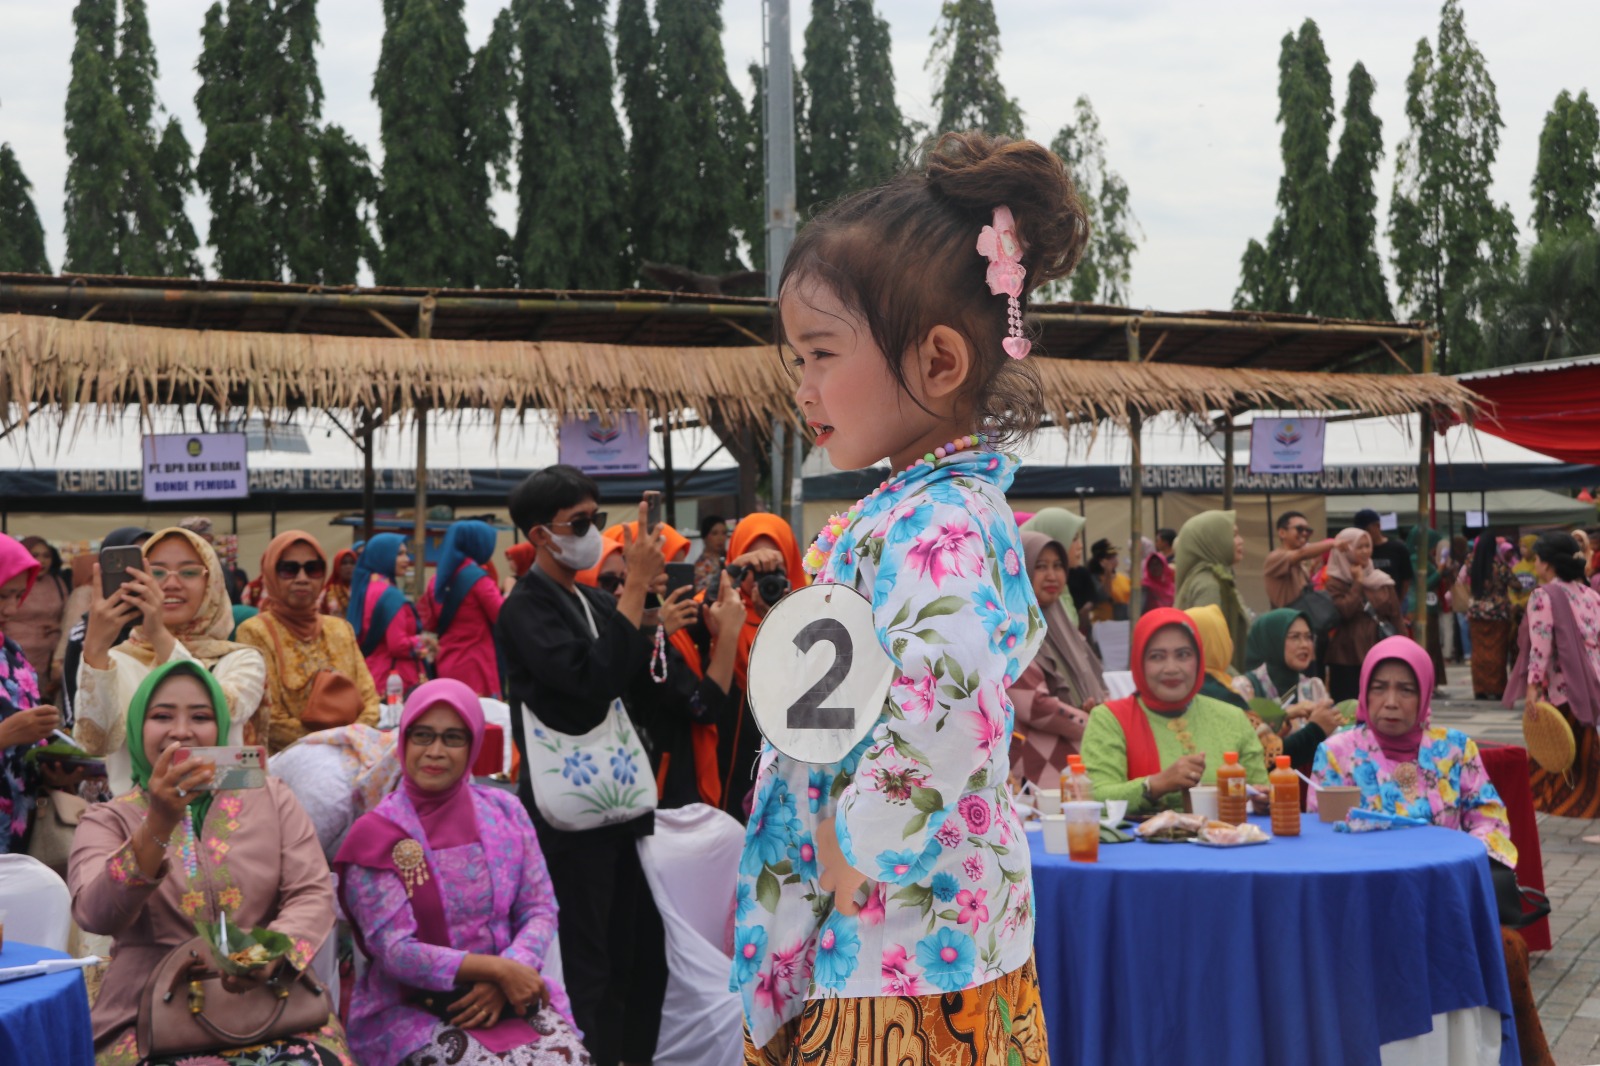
[141, 705]
[1265, 644]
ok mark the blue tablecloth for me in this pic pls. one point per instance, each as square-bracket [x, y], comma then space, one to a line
[1313, 949]
[44, 1021]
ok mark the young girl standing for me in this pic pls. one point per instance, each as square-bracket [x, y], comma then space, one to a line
[884, 911]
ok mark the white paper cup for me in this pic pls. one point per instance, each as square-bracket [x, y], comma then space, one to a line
[1055, 834]
[1048, 800]
[1203, 800]
[1116, 810]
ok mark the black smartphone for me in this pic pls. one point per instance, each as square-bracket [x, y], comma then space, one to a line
[679, 575]
[653, 515]
[114, 564]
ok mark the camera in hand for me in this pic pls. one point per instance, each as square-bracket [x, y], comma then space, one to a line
[770, 587]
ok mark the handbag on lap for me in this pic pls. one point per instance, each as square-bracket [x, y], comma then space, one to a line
[185, 1009]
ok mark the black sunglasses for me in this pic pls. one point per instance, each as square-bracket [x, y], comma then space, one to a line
[581, 524]
[289, 570]
[610, 582]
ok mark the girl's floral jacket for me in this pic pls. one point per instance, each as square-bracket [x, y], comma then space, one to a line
[921, 804]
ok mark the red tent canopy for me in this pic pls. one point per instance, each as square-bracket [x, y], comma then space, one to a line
[1551, 408]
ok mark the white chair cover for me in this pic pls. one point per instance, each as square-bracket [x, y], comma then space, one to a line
[37, 904]
[1468, 1037]
[320, 778]
[692, 864]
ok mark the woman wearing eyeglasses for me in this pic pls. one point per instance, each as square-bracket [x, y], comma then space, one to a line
[448, 892]
[298, 641]
[180, 603]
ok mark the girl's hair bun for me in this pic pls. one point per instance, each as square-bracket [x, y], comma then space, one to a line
[978, 172]
[1561, 551]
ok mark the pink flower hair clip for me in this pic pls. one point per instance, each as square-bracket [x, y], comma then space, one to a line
[1000, 244]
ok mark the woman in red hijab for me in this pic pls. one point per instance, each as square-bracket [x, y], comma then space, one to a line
[1149, 747]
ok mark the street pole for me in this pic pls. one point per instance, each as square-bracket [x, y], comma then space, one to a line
[781, 221]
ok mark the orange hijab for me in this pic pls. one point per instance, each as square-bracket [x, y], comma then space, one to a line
[305, 624]
[591, 576]
[674, 545]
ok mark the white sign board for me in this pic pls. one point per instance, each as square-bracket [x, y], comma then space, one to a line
[621, 446]
[1477, 519]
[818, 676]
[1389, 522]
[1286, 445]
[196, 466]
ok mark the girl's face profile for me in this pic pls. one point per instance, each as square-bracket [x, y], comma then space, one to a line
[850, 400]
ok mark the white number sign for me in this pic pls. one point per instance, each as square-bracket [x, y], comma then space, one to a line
[818, 676]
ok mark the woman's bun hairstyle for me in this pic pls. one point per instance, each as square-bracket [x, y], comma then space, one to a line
[904, 256]
[1560, 551]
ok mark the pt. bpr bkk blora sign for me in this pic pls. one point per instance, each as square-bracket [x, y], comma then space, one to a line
[1286, 445]
[195, 466]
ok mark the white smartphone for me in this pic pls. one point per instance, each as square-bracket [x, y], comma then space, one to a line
[243, 766]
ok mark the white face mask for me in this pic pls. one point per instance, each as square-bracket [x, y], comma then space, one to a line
[578, 553]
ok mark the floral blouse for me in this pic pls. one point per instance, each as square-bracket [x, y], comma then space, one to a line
[921, 804]
[1447, 784]
[1543, 668]
[1493, 603]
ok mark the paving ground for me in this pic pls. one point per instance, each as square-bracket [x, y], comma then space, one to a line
[1566, 979]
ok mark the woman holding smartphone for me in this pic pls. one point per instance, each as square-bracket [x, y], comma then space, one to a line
[170, 851]
[179, 600]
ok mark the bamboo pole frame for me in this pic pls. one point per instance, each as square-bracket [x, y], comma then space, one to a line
[388, 304]
[1135, 493]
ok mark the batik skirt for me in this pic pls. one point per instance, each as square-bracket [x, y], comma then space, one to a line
[1000, 1023]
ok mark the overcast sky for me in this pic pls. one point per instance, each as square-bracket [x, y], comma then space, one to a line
[1186, 94]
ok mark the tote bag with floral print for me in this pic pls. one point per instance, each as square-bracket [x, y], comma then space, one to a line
[585, 782]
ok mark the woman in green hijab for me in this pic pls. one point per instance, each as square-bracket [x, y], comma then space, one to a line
[170, 852]
[1209, 547]
[1280, 649]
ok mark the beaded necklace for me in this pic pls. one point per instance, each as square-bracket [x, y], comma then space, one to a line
[817, 557]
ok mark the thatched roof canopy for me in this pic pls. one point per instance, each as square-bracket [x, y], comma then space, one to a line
[1220, 339]
[61, 364]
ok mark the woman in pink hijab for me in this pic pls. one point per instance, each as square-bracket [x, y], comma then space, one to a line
[1403, 765]
[447, 890]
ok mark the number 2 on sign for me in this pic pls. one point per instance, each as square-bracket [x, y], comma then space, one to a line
[807, 712]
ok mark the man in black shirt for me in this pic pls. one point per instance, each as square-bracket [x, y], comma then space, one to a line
[1388, 554]
[571, 650]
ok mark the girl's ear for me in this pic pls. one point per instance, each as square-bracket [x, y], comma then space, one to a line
[943, 363]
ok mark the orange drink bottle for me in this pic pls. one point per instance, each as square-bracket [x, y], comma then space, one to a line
[1076, 784]
[1285, 798]
[1232, 804]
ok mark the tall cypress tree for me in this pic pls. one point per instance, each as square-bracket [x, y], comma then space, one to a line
[1443, 224]
[692, 138]
[446, 131]
[1363, 293]
[21, 235]
[267, 162]
[126, 179]
[966, 56]
[1303, 245]
[1566, 182]
[1107, 266]
[572, 191]
[851, 130]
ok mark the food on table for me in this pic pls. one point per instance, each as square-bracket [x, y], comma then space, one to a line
[1170, 826]
[1225, 835]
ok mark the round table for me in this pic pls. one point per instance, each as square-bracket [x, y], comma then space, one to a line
[44, 1021]
[1314, 949]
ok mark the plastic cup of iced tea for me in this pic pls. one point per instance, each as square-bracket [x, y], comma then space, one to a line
[1083, 830]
